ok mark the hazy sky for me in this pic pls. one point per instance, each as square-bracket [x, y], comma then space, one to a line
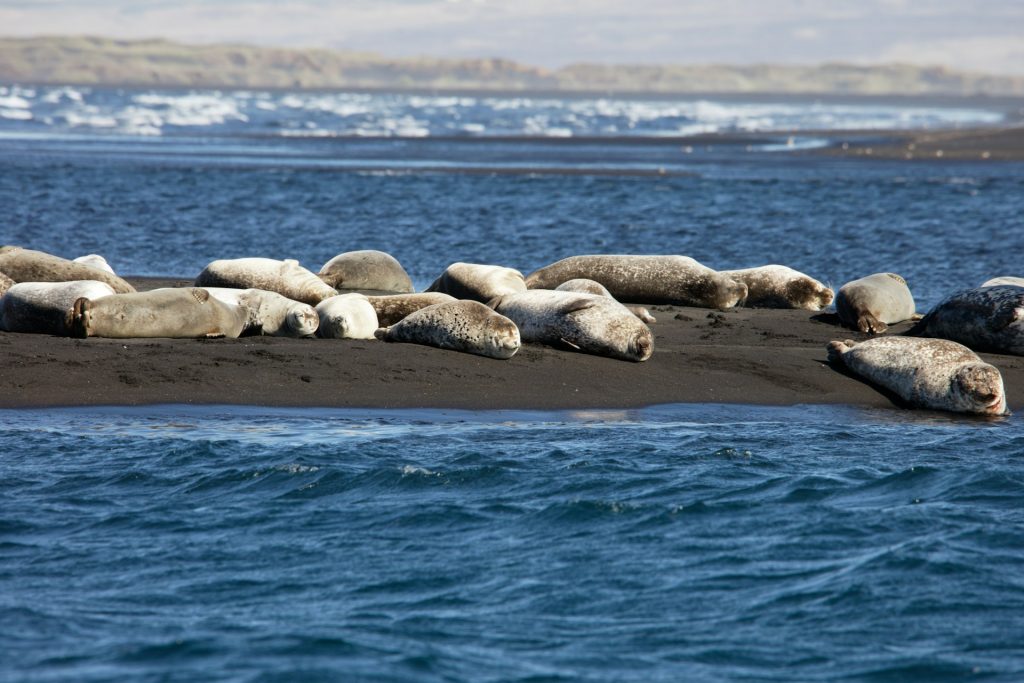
[984, 35]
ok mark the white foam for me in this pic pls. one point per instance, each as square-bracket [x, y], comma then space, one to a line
[16, 114]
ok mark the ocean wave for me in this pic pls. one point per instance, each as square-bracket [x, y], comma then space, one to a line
[234, 113]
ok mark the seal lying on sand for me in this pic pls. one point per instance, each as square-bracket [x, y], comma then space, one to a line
[178, 313]
[678, 280]
[926, 373]
[478, 282]
[586, 322]
[347, 316]
[1005, 280]
[393, 307]
[287, 278]
[46, 307]
[585, 286]
[270, 313]
[366, 269]
[776, 286]
[467, 326]
[27, 265]
[985, 319]
[872, 303]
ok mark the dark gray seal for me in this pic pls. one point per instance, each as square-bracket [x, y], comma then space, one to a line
[28, 265]
[466, 326]
[870, 304]
[178, 313]
[984, 319]
[678, 280]
[926, 373]
[391, 308]
[585, 322]
[366, 269]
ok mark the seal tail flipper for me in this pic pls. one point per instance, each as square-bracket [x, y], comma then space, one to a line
[79, 322]
[642, 313]
[836, 349]
[869, 324]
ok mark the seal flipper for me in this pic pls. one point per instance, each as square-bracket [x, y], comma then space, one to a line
[78, 325]
[869, 324]
[578, 305]
[836, 349]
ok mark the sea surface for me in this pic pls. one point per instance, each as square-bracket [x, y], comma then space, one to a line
[673, 543]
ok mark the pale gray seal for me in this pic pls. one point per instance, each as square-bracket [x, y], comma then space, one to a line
[287, 278]
[391, 308]
[586, 322]
[585, 286]
[46, 307]
[678, 280]
[347, 316]
[478, 282]
[872, 303]
[96, 261]
[467, 326]
[926, 373]
[178, 313]
[366, 269]
[28, 265]
[271, 314]
[985, 319]
[5, 283]
[1005, 280]
[775, 286]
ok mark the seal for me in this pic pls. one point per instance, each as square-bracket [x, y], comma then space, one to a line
[270, 314]
[872, 303]
[287, 278]
[46, 307]
[586, 322]
[96, 261]
[927, 373]
[28, 265]
[585, 286]
[478, 282]
[346, 316]
[676, 280]
[366, 269]
[178, 313]
[984, 319]
[466, 326]
[1005, 280]
[393, 307]
[776, 286]
[5, 283]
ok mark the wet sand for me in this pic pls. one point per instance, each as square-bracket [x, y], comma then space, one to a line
[976, 144]
[740, 356]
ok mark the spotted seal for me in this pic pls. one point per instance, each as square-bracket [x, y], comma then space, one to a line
[465, 325]
[478, 282]
[5, 283]
[28, 265]
[585, 286]
[927, 373]
[391, 308]
[984, 319]
[870, 304]
[366, 269]
[271, 314]
[287, 278]
[585, 322]
[638, 279]
[775, 286]
[347, 316]
[179, 313]
[46, 307]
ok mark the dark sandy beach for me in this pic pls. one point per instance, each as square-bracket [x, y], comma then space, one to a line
[740, 356]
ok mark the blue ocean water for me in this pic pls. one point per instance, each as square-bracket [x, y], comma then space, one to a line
[672, 543]
[703, 543]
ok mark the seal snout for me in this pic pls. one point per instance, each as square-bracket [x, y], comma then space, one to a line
[983, 386]
[643, 346]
